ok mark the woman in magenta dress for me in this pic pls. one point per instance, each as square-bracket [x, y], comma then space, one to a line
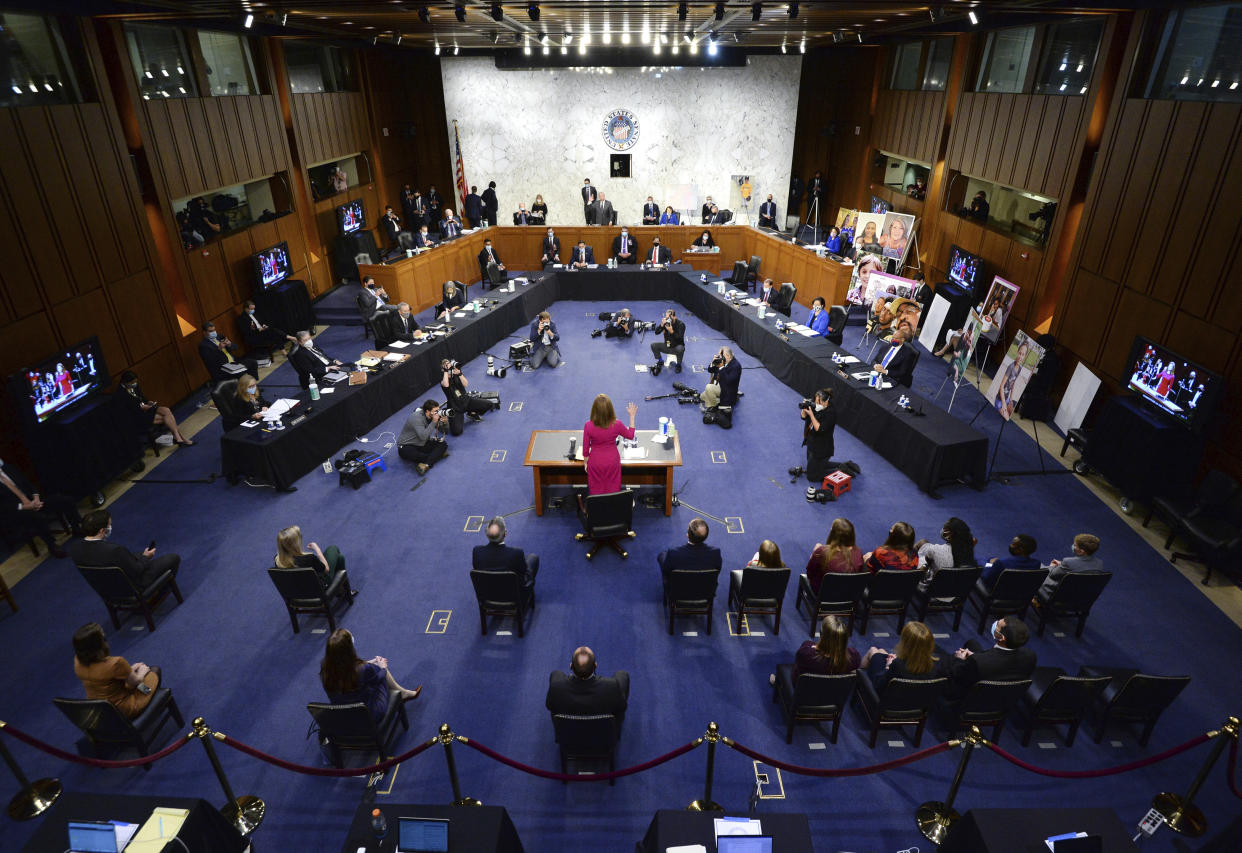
[599, 445]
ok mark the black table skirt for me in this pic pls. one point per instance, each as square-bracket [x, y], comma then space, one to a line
[1024, 830]
[932, 449]
[791, 833]
[472, 829]
[204, 831]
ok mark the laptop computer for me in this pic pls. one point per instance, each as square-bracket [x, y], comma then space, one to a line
[92, 837]
[744, 844]
[422, 835]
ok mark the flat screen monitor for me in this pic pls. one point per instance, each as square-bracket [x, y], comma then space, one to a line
[272, 266]
[422, 835]
[350, 217]
[964, 268]
[60, 381]
[1171, 384]
[879, 205]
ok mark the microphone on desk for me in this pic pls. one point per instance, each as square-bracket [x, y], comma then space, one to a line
[573, 448]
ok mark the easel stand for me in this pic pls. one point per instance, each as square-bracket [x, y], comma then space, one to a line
[913, 247]
[1043, 469]
[812, 215]
[947, 377]
[746, 209]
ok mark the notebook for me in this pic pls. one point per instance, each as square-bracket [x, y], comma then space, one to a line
[422, 835]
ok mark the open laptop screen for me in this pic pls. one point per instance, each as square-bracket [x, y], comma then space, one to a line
[422, 835]
[744, 844]
[87, 837]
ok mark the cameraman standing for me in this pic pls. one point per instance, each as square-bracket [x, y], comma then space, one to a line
[460, 403]
[726, 376]
[543, 336]
[422, 440]
[674, 342]
[622, 325]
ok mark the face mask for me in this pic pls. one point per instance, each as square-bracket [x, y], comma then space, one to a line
[625, 233]
[819, 407]
[250, 312]
[253, 392]
[993, 629]
[656, 244]
[212, 335]
[107, 531]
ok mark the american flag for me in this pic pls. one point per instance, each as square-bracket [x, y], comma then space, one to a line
[461, 171]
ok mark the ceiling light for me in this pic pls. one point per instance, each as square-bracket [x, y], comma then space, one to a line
[645, 38]
[151, 76]
[802, 46]
[35, 89]
[756, 11]
[1184, 79]
[974, 19]
[1215, 82]
[784, 49]
[676, 48]
[1062, 66]
[567, 38]
[164, 71]
[284, 19]
[607, 37]
[498, 13]
[545, 50]
[1064, 83]
[711, 48]
[456, 50]
[180, 89]
[180, 70]
[582, 48]
[424, 14]
[459, 12]
[1080, 68]
[526, 47]
[437, 48]
[564, 50]
[1083, 91]
[1233, 85]
[249, 22]
[532, 10]
[625, 38]
[655, 48]
[48, 86]
[374, 41]
[683, 9]
[793, 10]
[17, 90]
[694, 47]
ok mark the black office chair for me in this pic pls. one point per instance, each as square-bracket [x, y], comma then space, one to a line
[1074, 596]
[1011, 594]
[690, 592]
[818, 698]
[838, 316]
[105, 726]
[405, 241]
[1055, 698]
[120, 595]
[988, 703]
[752, 272]
[758, 590]
[224, 395]
[1215, 537]
[946, 592]
[888, 593]
[1213, 492]
[304, 592]
[788, 292]
[586, 737]
[502, 594]
[352, 727]
[903, 702]
[838, 595]
[606, 519]
[1133, 697]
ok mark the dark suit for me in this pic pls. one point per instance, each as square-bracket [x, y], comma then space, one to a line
[631, 246]
[728, 377]
[701, 556]
[662, 255]
[446, 304]
[392, 227]
[310, 361]
[434, 204]
[707, 212]
[651, 213]
[604, 214]
[423, 241]
[415, 210]
[485, 260]
[994, 664]
[34, 522]
[374, 303]
[214, 360]
[523, 217]
[720, 217]
[577, 255]
[550, 250]
[494, 557]
[257, 338]
[568, 694]
[394, 327]
[491, 205]
[589, 195]
[474, 208]
[771, 297]
[141, 570]
[767, 214]
[901, 366]
[450, 228]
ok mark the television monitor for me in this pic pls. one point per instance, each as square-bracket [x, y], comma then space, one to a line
[60, 381]
[1171, 384]
[879, 205]
[350, 217]
[964, 268]
[272, 265]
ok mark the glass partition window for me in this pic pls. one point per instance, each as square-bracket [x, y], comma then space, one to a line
[33, 64]
[1006, 56]
[227, 64]
[936, 73]
[1069, 57]
[204, 217]
[908, 177]
[1025, 215]
[319, 68]
[1199, 57]
[906, 60]
[161, 62]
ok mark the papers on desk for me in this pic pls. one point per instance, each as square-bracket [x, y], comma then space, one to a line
[737, 826]
[161, 827]
[395, 356]
[735, 293]
[335, 376]
[849, 359]
[328, 390]
[282, 406]
[592, 266]
[753, 300]
[805, 331]
[397, 345]
[459, 314]
[635, 452]
[368, 361]
[864, 376]
[687, 848]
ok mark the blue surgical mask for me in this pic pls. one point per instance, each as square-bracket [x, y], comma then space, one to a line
[250, 312]
[213, 335]
[994, 629]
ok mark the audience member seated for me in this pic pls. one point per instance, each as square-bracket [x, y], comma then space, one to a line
[30, 514]
[243, 404]
[658, 254]
[220, 357]
[488, 257]
[833, 243]
[717, 216]
[550, 249]
[257, 334]
[347, 679]
[375, 298]
[912, 658]
[898, 362]
[670, 216]
[398, 325]
[129, 687]
[817, 320]
[580, 692]
[522, 216]
[1082, 559]
[897, 552]
[450, 227]
[94, 549]
[147, 412]
[770, 294]
[704, 241]
[454, 298]
[1008, 660]
[583, 256]
[328, 564]
[422, 439]
[838, 556]
[625, 248]
[695, 554]
[496, 556]
[310, 361]
[422, 239]
[767, 557]
[957, 551]
[1021, 551]
[832, 655]
[651, 212]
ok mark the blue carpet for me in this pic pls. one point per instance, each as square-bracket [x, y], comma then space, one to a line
[230, 656]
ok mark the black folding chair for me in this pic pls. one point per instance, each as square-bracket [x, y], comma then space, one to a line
[988, 703]
[502, 594]
[888, 593]
[105, 725]
[1074, 596]
[304, 592]
[1133, 697]
[590, 737]
[1055, 698]
[351, 726]
[606, 519]
[815, 697]
[902, 702]
[690, 592]
[946, 592]
[120, 595]
[838, 595]
[758, 590]
[1011, 594]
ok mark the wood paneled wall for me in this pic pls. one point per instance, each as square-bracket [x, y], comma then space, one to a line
[909, 123]
[328, 125]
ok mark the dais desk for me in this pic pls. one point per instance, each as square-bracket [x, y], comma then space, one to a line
[547, 455]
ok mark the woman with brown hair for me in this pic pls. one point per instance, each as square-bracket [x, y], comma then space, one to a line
[897, 552]
[913, 657]
[839, 555]
[768, 556]
[111, 677]
[832, 655]
[600, 456]
[346, 678]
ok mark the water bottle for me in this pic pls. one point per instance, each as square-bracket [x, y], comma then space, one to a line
[378, 824]
[314, 389]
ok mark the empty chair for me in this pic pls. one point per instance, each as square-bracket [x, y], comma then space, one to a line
[502, 594]
[888, 593]
[586, 737]
[752, 272]
[946, 592]
[1132, 697]
[838, 316]
[120, 595]
[304, 592]
[606, 519]
[352, 727]
[1055, 698]
[838, 595]
[1012, 593]
[759, 590]
[1213, 492]
[1215, 537]
[988, 703]
[1073, 597]
[902, 702]
[104, 724]
[690, 592]
[788, 292]
[405, 241]
[815, 697]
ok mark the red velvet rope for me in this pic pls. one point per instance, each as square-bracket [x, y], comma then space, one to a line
[94, 762]
[325, 771]
[1107, 771]
[840, 771]
[1231, 772]
[594, 777]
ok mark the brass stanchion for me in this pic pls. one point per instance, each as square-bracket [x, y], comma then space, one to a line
[446, 740]
[706, 805]
[1180, 813]
[935, 819]
[35, 797]
[246, 812]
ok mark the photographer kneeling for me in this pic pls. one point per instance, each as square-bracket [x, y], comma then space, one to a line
[621, 325]
[819, 422]
[460, 403]
[422, 440]
[726, 374]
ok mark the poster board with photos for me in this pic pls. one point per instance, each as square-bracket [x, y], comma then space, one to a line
[864, 265]
[996, 307]
[847, 220]
[895, 235]
[1016, 370]
[888, 285]
[967, 340]
[867, 233]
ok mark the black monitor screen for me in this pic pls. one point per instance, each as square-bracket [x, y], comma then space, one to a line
[272, 265]
[61, 380]
[879, 205]
[964, 268]
[350, 217]
[1170, 383]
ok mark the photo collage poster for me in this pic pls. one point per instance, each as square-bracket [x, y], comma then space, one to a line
[864, 265]
[847, 219]
[964, 342]
[995, 308]
[895, 235]
[1019, 364]
[867, 234]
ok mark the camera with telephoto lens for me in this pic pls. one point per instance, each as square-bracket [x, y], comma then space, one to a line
[452, 365]
[686, 394]
[493, 370]
[643, 325]
[717, 362]
[819, 496]
[805, 404]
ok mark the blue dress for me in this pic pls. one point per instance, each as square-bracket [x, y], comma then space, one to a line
[372, 690]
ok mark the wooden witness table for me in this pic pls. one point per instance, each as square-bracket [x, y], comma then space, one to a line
[547, 456]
